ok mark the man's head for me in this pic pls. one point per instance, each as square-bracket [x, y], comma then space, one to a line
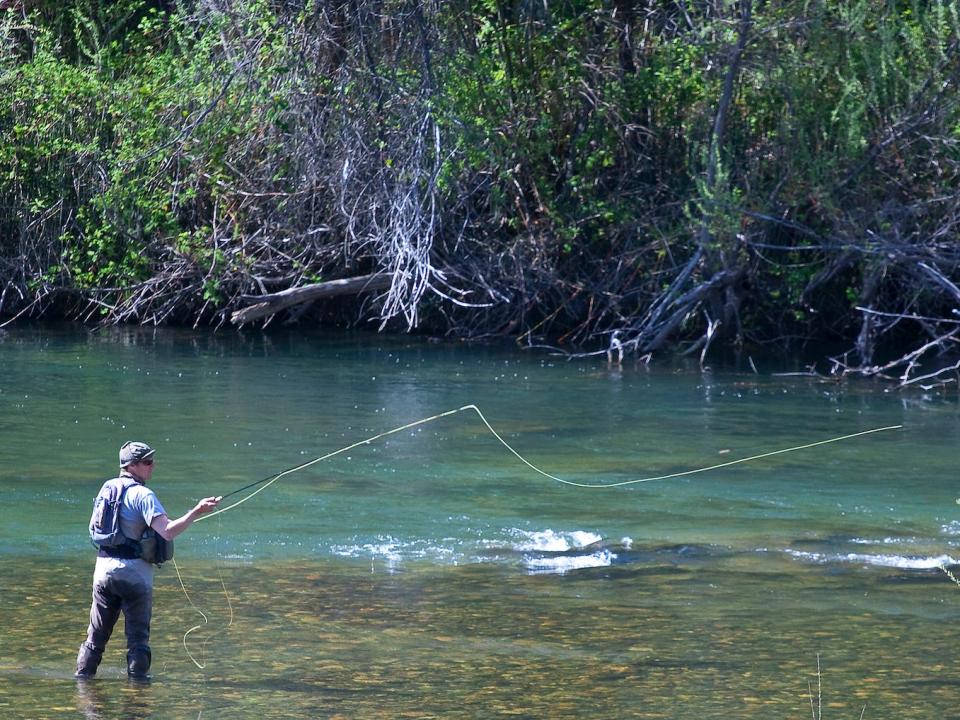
[135, 453]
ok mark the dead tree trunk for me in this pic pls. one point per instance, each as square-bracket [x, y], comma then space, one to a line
[714, 272]
[723, 301]
[273, 303]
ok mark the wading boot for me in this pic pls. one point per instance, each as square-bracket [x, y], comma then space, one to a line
[138, 664]
[88, 659]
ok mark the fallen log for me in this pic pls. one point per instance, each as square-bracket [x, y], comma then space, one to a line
[273, 303]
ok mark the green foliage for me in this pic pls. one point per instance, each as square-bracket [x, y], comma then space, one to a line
[539, 106]
[143, 139]
[93, 112]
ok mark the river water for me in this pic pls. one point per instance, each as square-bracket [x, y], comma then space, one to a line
[432, 574]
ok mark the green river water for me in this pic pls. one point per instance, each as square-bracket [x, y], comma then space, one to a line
[431, 574]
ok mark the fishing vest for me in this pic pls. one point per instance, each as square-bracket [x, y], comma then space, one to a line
[107, 535]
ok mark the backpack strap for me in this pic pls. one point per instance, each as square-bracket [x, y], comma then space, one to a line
[124, 486]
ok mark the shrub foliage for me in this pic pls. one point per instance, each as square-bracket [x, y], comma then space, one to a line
[589, 173]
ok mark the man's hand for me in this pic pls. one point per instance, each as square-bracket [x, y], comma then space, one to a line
[206, 505]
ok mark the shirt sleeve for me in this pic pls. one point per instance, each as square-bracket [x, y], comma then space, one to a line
[149, 505]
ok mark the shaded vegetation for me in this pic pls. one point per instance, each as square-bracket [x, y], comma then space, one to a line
[593, 174]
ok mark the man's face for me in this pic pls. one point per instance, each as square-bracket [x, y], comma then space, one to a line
[143, 470]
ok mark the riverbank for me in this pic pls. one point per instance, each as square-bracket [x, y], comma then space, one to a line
[571, 174]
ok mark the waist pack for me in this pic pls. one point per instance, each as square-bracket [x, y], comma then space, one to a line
[154, 548]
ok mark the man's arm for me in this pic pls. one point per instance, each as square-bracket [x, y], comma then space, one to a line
[168, 529]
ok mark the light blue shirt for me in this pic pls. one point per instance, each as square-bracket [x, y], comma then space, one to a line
[140, 506]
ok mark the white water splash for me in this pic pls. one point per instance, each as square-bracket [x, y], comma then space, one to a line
[906, 562]
[565, 563]
[550, 541]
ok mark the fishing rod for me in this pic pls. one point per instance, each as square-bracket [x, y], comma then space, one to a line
[253, 484]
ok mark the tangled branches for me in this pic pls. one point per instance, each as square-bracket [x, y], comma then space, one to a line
[597, 178]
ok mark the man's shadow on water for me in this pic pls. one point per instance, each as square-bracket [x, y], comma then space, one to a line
[101, 699]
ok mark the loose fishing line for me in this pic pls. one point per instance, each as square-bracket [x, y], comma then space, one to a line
[270, 479]
[206, 621]
[201, 664]
[266, 482]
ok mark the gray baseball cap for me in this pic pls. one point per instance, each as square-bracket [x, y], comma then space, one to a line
[134, 452]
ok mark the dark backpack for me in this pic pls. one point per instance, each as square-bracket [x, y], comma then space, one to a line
[105, 521]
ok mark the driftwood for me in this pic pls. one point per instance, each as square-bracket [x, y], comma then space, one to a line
[273, 303]
[911, 361]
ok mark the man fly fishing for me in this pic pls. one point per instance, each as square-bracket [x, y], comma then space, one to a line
[133, 535]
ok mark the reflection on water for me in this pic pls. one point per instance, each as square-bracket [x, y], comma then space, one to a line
[100, 699]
